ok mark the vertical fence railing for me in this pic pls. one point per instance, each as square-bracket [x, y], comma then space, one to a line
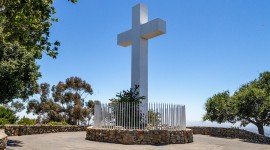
[132, 115]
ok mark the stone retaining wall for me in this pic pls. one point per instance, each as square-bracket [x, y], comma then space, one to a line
[231, 133]
[3, 140]
[16, 130]
[139, 136]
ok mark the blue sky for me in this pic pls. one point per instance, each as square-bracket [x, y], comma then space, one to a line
[210, 46]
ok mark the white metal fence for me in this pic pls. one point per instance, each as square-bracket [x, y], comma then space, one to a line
[131, 115]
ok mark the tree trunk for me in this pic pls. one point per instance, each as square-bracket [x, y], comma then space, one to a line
[260, 129]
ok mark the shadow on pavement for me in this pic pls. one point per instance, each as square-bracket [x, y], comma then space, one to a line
[14, 143]
[242, 140]
[253, 142]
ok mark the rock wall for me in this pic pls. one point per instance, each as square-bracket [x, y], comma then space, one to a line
[16, 130]
[139, 136]
[3, 140]
[231, 133]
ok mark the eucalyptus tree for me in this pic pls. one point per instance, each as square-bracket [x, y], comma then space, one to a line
[45, 106]
[17, 106]
[72, 95]
[88, 110]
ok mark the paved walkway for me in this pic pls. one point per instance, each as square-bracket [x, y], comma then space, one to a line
[76, 140]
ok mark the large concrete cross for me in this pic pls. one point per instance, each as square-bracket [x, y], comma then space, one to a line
[138, 36]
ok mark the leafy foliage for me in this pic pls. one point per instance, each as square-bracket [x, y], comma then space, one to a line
[45, 107]
[153, 119]
[131, 95]
[73, 1]
[220, 108]
[7, 114]
[130, 101]
[3, 121]
[65, 103]
[71, 95]
[24, 35]
[26, 121]
[28, 22]
[17, 106]
[51, 123]
[249, 104]
[88, 111]
[18, 73]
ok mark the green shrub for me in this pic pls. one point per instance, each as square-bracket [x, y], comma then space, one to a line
[8, 114]
[57, 123]
[27, 121]
[3, 121]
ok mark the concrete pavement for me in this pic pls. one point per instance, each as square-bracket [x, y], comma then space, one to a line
[76, 140]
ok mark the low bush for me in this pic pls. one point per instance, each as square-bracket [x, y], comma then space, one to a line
[3, 121]
[8, 114]
[57, 123]
[26, 121]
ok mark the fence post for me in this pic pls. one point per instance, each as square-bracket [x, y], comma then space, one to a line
[130, 115]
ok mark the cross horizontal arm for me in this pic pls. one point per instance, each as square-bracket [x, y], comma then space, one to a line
[124, 39]
[153, 28]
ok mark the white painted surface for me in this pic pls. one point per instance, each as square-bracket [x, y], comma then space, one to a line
[124, 115]
[2, 134]
[138, 36]
[97, 114]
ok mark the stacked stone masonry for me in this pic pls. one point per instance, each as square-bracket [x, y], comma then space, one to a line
[231, 133]
[28, 130]
[136, 136]
[153, 137]
[3, 140]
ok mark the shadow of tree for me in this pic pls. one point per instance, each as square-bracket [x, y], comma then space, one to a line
[14, 143]
[253, 141]
[242, 140]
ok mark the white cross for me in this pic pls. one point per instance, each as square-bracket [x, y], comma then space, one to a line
[138, 36]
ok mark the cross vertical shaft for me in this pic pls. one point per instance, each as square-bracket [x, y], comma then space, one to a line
[139, 58]
[138, 36]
